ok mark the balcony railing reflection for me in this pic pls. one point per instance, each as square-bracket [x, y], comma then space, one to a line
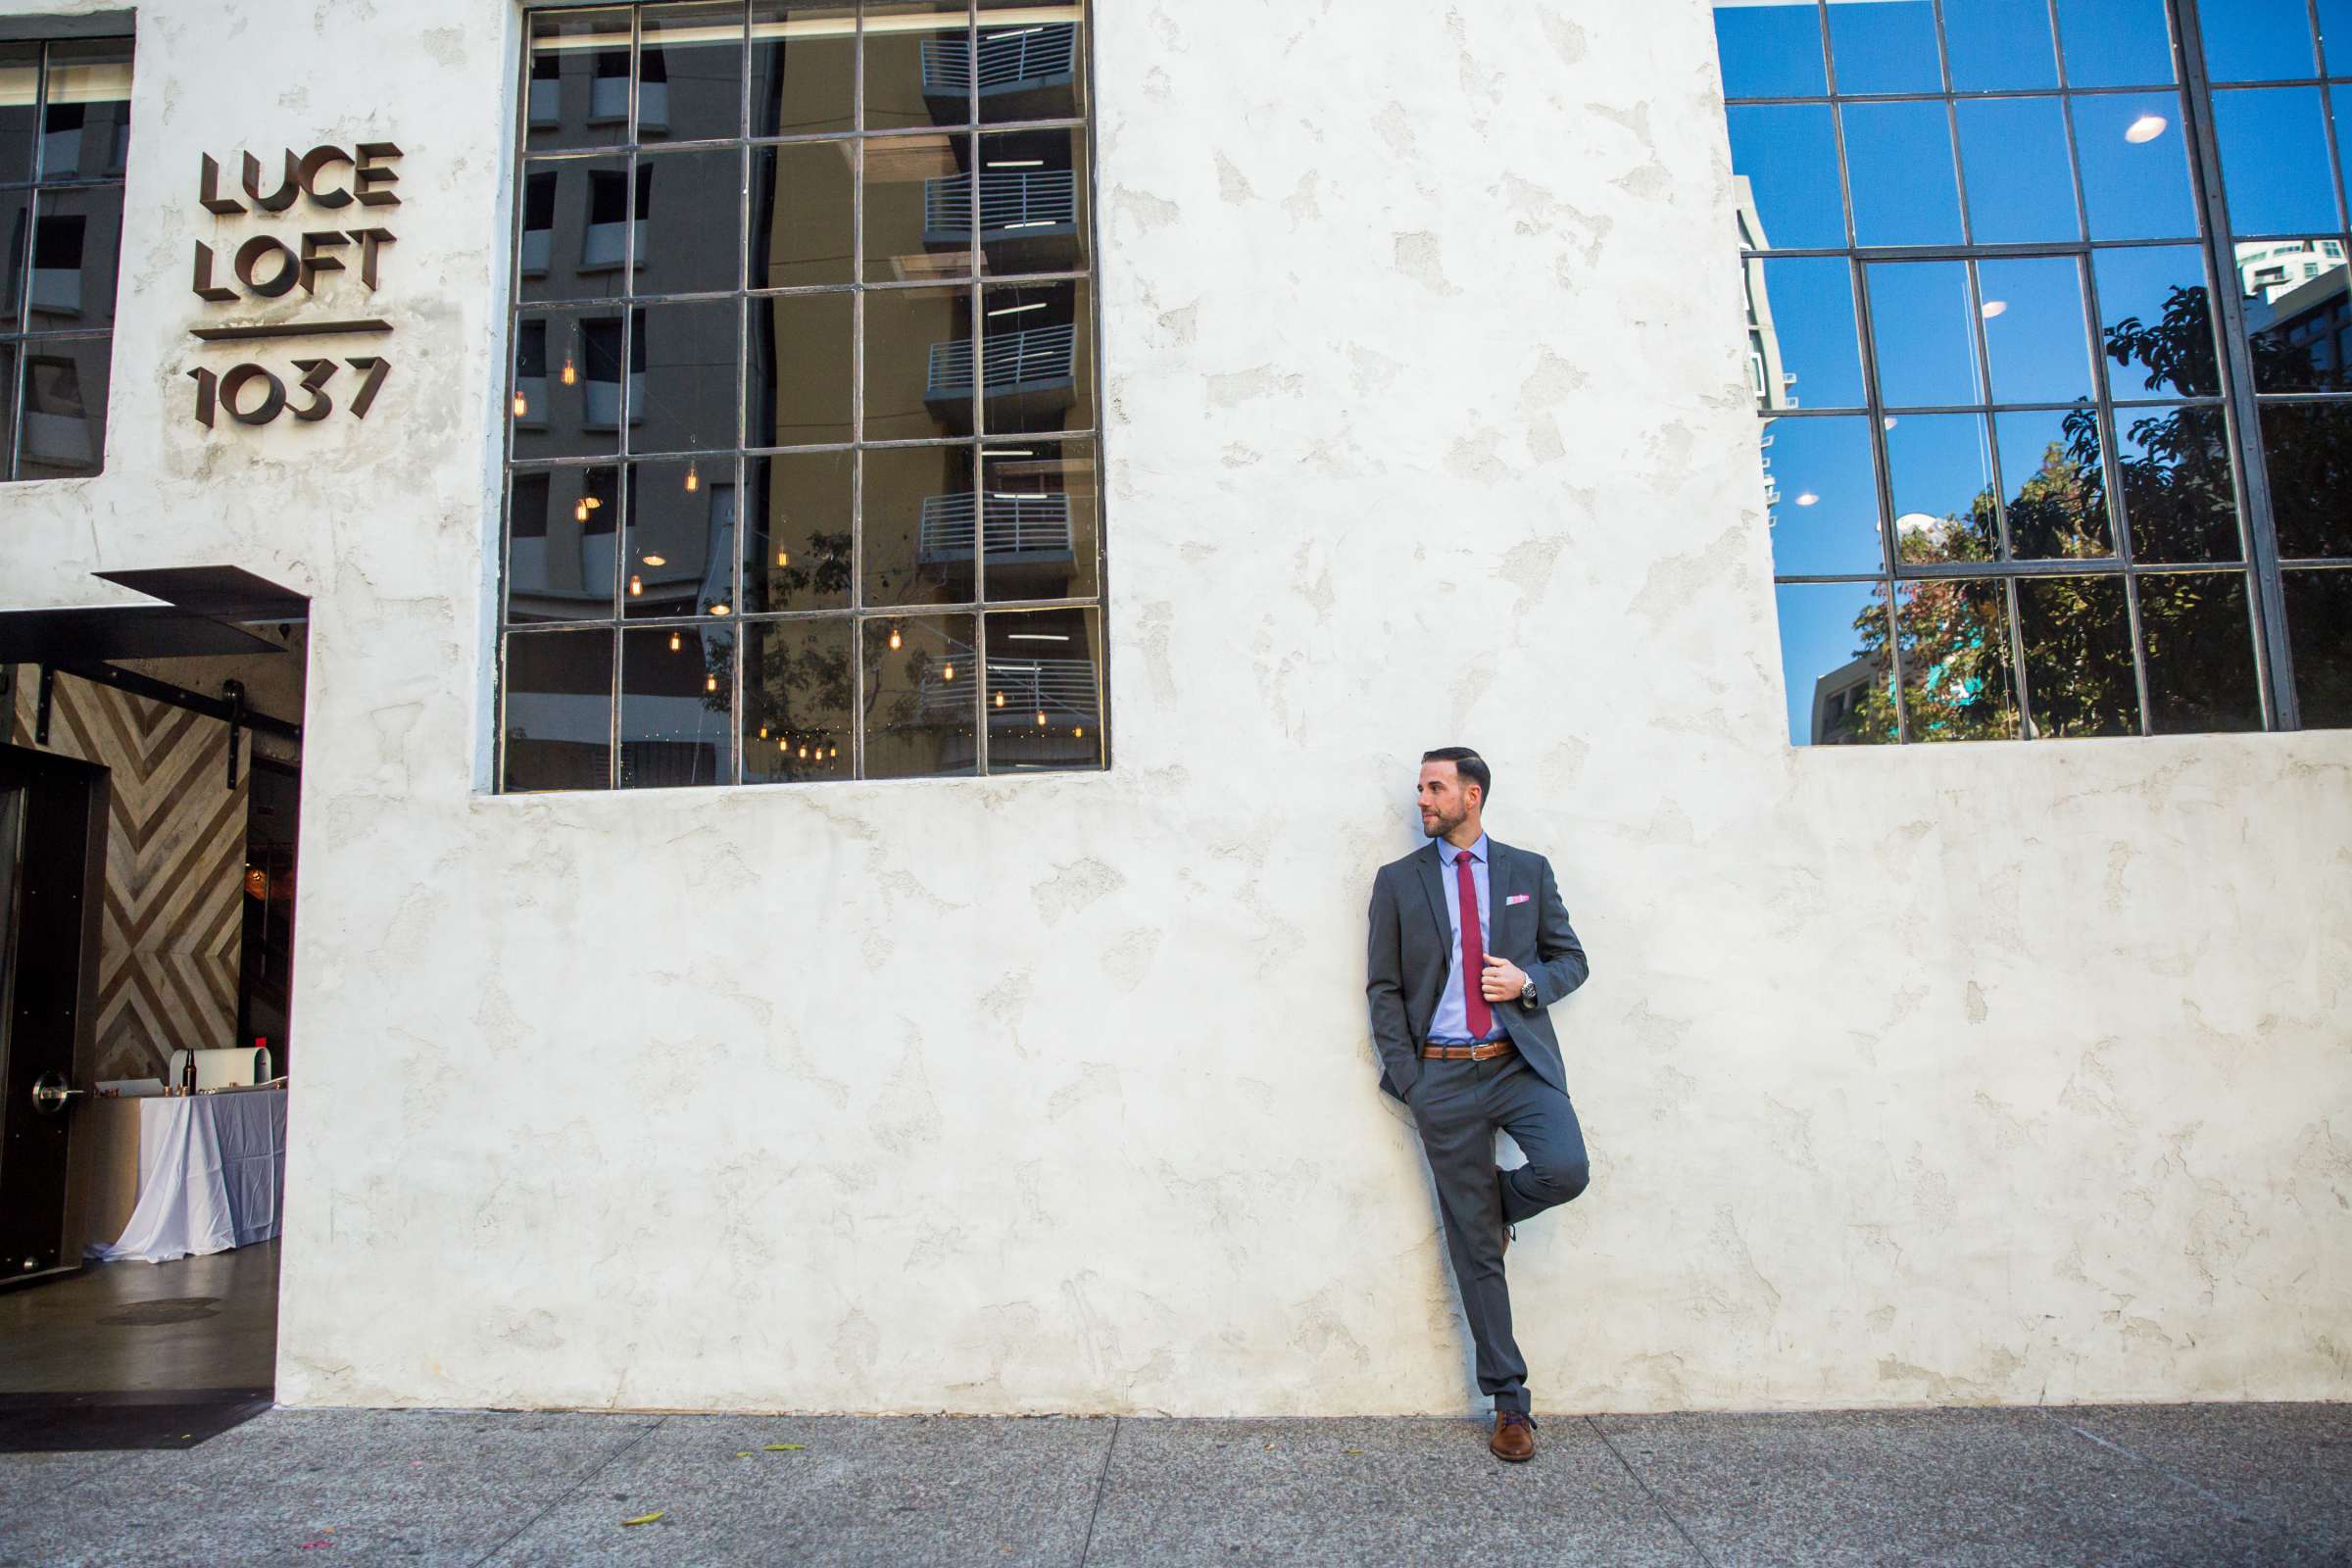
[1009, 525]
[1027, 374]
[1021, 58]
[1062, 689]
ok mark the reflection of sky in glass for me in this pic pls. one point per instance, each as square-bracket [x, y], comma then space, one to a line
[2133, 190]
[1817, 639]
[2274, 160]
[1837, 531]
[2020, 189]
[1788, 153]
[1770, 51]
[1898, 161]
[1937, 465]
[1812, 303]
[1888, 46]
[2256, 40]
[1999, 43]
[2033, 330]
[2335, 35]
[2133, 284]
[2115, 43]
[1919, 315]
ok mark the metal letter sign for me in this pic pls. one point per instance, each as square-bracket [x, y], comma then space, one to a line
[272, 267]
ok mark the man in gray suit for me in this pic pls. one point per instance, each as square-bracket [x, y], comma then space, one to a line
[1470, 944]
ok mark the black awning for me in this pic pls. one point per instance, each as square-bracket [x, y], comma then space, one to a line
[118, 631]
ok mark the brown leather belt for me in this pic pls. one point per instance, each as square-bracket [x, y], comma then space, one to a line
[1486, 1052]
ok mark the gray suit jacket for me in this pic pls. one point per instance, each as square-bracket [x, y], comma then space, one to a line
[1411, 947]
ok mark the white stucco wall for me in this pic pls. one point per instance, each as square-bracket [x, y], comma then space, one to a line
[2000, 1072]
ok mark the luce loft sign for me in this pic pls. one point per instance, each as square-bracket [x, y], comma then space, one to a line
[353, 184]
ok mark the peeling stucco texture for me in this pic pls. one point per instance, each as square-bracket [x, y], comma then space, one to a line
[1985, 1073]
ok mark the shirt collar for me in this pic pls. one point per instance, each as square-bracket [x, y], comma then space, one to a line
[1447, 851]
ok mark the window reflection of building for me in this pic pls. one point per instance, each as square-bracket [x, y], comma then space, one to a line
[1838, 698]
[64, 136]
[905, 307]
[2297, 310]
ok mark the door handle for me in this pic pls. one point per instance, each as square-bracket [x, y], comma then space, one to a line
[50, 1094]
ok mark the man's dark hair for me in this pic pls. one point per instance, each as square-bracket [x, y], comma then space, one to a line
[1467, 763]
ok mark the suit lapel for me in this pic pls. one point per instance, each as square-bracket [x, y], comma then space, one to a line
[1433, 883]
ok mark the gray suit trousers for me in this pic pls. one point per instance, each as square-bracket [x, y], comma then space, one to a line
[1456, 1107]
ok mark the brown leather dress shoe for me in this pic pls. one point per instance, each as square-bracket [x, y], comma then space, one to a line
[1514, 1436]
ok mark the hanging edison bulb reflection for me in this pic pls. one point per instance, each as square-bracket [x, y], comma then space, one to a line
[636, 587]
[522, 405]
[803, 753]
[709, 683]
[1041, 718]
[764, 732]
[783, 557]
[948, 673]
[694, 477]
[893, 639]
[579, 512]
[673, 636]
[1000, 699]
[836, 750]
[1080, 733]
[571, 373]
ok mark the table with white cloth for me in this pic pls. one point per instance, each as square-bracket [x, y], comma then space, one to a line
[212, 1175]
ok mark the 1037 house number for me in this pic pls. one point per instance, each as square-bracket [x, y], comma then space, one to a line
[233, 391]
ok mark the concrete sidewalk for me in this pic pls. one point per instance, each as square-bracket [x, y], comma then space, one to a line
[2197, 1484]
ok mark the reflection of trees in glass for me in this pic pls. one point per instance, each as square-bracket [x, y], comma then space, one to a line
[821, 573]
[797, 686]
[2179, 501]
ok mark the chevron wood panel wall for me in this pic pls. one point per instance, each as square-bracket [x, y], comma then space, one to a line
[175, 869]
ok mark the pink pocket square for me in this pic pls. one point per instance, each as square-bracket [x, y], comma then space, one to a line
[1518, 898]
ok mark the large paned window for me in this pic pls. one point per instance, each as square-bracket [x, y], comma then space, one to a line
[65, 132]
[2049, 334]
[802, 451]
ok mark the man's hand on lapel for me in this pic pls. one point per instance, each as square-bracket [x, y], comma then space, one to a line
[1503, 981]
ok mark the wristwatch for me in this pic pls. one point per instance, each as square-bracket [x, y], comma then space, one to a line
[1526, 994]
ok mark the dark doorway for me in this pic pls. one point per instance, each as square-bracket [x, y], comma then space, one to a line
[149, 794]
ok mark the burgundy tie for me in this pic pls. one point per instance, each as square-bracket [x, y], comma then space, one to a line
[1474, 956]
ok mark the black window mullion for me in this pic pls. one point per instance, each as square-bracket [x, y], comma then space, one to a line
[2274, 660]
[1882, 472]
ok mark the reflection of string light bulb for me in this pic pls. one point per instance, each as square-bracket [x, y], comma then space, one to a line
[783, 743]
[948, 673]
[591, 503]
[571, 373]
[522, 405]
[580, 513]
[837, 751]
[636, 585]
[674, 642]
[764, 732]
[803, 753]
[1080, 733]
[893, 639]
[694, 478]
[1000, 699]
[1041, 718]
[783, 558]
[710, 682]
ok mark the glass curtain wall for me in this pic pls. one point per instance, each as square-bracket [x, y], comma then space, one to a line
[803, 436]
[2041, 338]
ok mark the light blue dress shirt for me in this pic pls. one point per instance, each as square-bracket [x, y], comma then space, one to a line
[1450, 1025]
